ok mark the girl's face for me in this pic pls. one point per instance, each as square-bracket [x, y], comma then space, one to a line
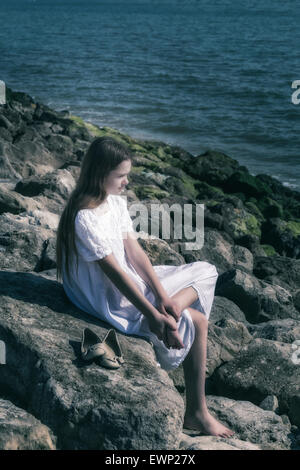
[116, 180]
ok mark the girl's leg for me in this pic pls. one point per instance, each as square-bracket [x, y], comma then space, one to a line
[197, 415]
[186, 297]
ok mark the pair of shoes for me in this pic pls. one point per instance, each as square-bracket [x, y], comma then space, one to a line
[106, 353]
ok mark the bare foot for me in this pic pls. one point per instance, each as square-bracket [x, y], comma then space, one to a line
[207, 424]
[173, 338]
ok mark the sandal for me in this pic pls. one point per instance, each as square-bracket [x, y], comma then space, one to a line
[113, 357]
[91, 346]
[106, 353]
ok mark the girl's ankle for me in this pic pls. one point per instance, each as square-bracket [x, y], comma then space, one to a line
[199, 412]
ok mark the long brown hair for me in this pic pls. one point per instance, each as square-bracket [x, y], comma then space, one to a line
[103, 155]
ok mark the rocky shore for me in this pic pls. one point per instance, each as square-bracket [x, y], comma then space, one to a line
[49, 399]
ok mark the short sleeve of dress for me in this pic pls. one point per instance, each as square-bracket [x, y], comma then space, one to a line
[125, 220]
[90, 239]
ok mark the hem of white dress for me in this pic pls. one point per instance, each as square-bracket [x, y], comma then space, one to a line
[201, 299]
[175, 358]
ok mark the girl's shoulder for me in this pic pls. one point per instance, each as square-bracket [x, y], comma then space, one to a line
[115, 204]
[117, 201]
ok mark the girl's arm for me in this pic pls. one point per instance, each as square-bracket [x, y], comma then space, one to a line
[158, 323]
[141, 263]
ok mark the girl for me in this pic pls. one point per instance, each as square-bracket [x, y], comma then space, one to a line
[112, 278]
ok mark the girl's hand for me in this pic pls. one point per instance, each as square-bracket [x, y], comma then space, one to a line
[165, 328]
[168, 306]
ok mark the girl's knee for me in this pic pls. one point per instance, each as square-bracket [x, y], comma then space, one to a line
[199, 318]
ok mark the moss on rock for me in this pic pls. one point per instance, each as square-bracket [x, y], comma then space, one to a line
[249, 185]
[240, 223]
[149, 192]
[93, 130]
[253, 209]
[294, 227]
[270, 208]
[269, 250]
[206, 191]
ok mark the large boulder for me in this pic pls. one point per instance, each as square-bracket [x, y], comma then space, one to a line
[85, 405]
[15, 203]
[242, 226]
[249, 376]
[212, 167]
[158, 251]
[215, 443]
[285, 330]
[284, 235]
[31, 158]
[224, 309]
[26, 241]
[218, 251]
[279, 270]
[251, 423]
[20, 430]
[259, 300]
[226, 338]
[57, 182]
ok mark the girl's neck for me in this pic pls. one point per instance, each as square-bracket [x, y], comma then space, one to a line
[92, 204]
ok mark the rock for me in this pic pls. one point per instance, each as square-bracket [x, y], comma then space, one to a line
[287, 198]
[19, 430]
[224, 341]
[270, 208]
[58, 182]
[24, 244]
[215, 443]
[258, 300]
[223, 309]
[250, 186]
[42, 332]
[243, 227]
[251, 423]
[208, 192]
[159, 251]
[150, 191]
[152, 217]
[212, 167]
[270, 403]
[296, 298]
[44, 218]
[254, 428]
[6, 168]
[57, 144]
[230, 215]
[4, 122]
[283, 235]
[40, 156]
[249, 376]
[219, 252]
[264, 251]
[279, 270]
[285, 419]
[285, 330]
[15, 203]
[213, 220]
[26, 160]
[5, 135]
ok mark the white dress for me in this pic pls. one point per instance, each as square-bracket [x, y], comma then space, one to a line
[99, 233]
